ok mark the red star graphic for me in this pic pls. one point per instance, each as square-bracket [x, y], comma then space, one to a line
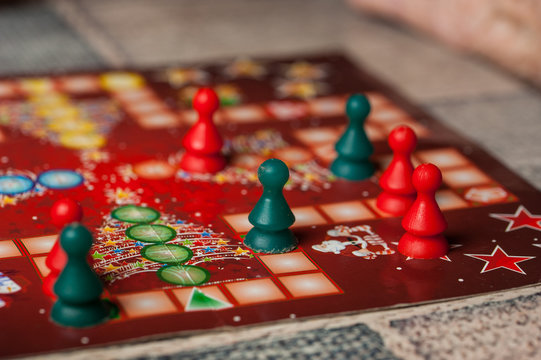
[500, 259]
[444, 257]
[520, 219]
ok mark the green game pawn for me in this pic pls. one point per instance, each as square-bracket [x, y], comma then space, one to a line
[271, 216]
[354, 148]
[78, 288]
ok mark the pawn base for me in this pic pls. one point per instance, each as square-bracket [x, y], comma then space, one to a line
[202, 163]
[352, 170]
[271, 242]
[48, 283]
[396, 205]
[79, 315]
[423, 247]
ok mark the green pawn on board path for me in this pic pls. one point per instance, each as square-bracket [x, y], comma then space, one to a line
[78, 288]
[271, 216]
[354, 148]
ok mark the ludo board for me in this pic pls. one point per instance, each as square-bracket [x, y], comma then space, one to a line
[168, 244]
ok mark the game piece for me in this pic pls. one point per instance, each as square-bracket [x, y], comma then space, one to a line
[271, 216]
[203, 143]
[354, 147]
[398, 192]
[424, 222]
[78, 288]
[63, 212]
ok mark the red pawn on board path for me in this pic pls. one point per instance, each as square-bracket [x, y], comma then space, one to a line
[203, 143]
[398, 192]
[63, 212]
[424, 222]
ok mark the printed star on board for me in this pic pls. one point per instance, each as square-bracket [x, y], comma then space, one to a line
[444, 257]
[110, 243]
[118, 251]
[138, 243]
[240, 251]
[122, 194]
[207, 259]
[187, 242]
[97, 255]
[111, 267]
[222, 242]
[139, 265]
[208, 249]
[451, 246]
[522, 218]
[108, 229]
[220, 178]
[499, 259]
[205, 234]
[245, 68]
[8, 200]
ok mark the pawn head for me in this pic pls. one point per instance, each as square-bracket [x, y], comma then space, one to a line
[273, 173]
[205, 101]
[65, 211]
[357, 107]
[426, 178]
[76, 240]
[402, 139]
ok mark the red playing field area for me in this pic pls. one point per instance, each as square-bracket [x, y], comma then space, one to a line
[168, 244]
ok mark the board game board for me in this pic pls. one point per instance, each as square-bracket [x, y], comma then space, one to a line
[111, 140]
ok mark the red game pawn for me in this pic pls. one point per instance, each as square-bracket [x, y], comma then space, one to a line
[398, 192]
[203, 143]
[424, 222]
[63, 212]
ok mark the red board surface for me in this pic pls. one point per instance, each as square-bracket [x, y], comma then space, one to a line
[113, 138]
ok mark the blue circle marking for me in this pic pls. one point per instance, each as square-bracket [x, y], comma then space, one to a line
[60, 179]
[15, 184]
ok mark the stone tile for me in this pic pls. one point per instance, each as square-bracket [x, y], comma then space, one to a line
[421, 68]
[173, 31]
[33, 38]
[509, 127]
